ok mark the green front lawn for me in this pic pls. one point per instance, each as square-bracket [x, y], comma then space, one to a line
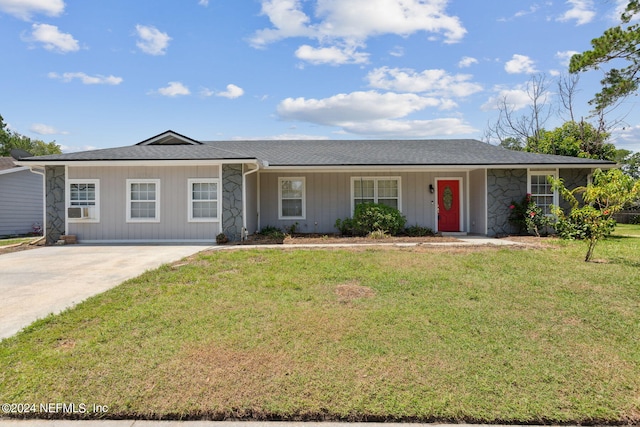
[483, 335]
[17, 240]
[627, 229]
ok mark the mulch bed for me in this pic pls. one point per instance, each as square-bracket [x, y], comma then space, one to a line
[328, 239]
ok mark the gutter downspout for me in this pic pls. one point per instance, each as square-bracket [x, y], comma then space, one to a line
[244, 200]
[44, 199]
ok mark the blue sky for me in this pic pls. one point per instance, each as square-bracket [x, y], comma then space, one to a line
[95, 74]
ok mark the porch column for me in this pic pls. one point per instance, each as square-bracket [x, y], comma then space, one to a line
[232, 201]
[55, 203]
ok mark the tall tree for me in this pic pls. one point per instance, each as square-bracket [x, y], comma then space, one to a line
[617, 43]
[574, 139]
[10, 140]
[513, 125]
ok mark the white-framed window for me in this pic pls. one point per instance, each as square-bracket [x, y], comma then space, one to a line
[143, 200]
[292, 198]
[373, 189]
[540, 189]
[83, 200]
[203, 200]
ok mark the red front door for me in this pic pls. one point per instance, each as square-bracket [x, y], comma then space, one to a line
[448, 205]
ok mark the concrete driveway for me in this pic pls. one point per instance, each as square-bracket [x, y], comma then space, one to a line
[37, 282]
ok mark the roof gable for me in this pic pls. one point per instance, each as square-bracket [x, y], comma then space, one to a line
[169, 137]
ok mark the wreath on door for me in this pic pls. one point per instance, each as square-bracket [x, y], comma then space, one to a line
[447, 198]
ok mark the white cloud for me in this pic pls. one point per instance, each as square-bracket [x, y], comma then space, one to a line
[25, 9]
[74, 149]
[42, 129]
[467, 61]
[515, 98]
[331, 55]
[412, 128]
[360, 19]
[204, 3]
[432, 82]
[287, 18]
[565, 56]
[397, 51]
[372, 113]
[520, 64]
[232, 92]
[52, 39]
[627, 138]
[174, 89]
[151, 40]
[206, 92]
[582, 11]
[353, 107]
[352, 22]
[86, 79]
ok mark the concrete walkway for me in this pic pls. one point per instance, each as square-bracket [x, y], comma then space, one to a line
[133, 423]
[37, 282]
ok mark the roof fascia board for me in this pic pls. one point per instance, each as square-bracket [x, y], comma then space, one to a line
[12, 170]
[435, 168]
[116, 163]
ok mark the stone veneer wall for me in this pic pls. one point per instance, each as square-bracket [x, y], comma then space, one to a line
[503, 186]
[55, 200]
[232, 201]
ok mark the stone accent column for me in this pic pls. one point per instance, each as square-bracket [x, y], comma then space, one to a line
[55, 197]
[232, 201]
[503, 186]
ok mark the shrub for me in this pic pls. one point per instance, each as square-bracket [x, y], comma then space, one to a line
[346, 227]
[584, 223]
[292, 229]
[221, 239]
[527, 215]
[607, 195]
[271, 231]
[370, 217]
[635, 220]
[418, 231]
[378, 234]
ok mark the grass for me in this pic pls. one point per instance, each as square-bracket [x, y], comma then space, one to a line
[15, 241]
[484, 335]
[627, 229]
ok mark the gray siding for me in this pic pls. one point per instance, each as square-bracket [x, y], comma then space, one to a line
[328, 197]
[173, 223]
[21, 203]
[478, 201]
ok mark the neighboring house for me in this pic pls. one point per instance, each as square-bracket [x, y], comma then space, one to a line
[21, 202]
[173, 188]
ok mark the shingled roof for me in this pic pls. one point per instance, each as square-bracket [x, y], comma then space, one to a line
[328, 153]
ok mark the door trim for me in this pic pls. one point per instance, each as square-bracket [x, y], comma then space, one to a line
[460, 196]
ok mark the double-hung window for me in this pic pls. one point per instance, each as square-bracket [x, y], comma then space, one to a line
[143, 200]
[83, 200]
[291, 198]
[383, 190]
[541, 191]
[203, 200]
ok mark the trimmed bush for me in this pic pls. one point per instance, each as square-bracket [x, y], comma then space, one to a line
[370, 217]
[346, 227]
[418, 231]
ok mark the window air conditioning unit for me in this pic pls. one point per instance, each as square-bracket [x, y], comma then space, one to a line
[79, 213]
